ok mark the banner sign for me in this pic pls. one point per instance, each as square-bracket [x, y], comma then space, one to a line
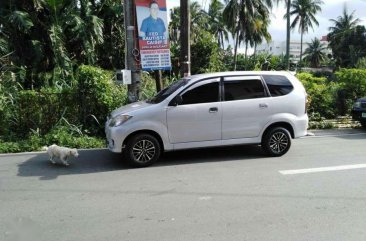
[153, 34]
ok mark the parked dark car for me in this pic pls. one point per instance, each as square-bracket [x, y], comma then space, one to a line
[359, 111]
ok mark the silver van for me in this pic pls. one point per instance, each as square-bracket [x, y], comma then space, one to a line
[208, 110]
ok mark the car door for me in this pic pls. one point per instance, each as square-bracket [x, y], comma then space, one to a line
[245, 107]
[198, 117]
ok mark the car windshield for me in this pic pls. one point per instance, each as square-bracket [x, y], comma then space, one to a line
[163, 94]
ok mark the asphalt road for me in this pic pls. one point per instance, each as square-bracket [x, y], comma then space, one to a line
[212, 194]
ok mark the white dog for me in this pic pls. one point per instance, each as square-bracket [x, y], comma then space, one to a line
[62, 153]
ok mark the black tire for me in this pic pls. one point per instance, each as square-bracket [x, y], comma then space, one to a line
[276, 142]
[363, 123]
[142, 150]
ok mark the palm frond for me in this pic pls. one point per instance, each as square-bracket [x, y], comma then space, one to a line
[21, 20]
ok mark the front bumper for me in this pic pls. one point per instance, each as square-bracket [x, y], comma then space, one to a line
[114, 138]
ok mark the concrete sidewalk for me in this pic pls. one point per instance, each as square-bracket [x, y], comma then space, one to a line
[337, 131]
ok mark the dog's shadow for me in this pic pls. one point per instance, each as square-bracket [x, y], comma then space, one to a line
[89, 161]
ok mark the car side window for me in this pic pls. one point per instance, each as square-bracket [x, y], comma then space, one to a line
[205, 93]
[278, 85]
[240, 88]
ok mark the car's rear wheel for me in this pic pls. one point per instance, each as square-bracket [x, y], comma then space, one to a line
[142, 150]
[276, 142]
[363, 123]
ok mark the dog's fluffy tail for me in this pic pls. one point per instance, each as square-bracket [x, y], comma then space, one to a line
[45, 148]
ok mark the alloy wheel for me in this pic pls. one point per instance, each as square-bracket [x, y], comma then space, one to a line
[143, 151]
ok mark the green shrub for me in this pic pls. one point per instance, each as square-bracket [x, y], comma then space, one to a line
[97, 96]
[353, 81]
[8, 96]
[43, 109]
[148, 86]
[63, 137]
[206, 54]
[322, 94]
[10, 147]
[361, 63]
[353, 85]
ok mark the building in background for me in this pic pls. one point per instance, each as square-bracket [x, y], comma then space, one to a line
[277, 48]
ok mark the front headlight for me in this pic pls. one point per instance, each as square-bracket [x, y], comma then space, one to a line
[357, 104]
[119, 120]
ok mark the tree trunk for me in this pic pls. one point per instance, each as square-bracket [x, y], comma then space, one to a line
[236, 49]
[246, 54]
[288, 35]
[255, 49]
[302, 33]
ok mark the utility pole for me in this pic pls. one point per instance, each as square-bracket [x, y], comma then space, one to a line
[185, 25]
[130, 61]
[288, 35]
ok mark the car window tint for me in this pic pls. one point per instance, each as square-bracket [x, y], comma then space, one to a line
[243, 89]
[278, 85]
[202, 94]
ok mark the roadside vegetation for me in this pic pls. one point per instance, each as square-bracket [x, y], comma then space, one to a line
[58, 59]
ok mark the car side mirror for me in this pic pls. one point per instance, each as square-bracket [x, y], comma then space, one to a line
[177, 100]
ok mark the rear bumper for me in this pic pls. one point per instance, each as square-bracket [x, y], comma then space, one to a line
[357, 114]
[301, 126]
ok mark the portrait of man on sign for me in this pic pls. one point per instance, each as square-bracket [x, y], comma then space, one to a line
[153, 28]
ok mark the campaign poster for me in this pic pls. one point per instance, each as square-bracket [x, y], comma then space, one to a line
[153, 34]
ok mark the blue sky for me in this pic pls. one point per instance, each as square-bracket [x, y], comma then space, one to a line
[331, 9]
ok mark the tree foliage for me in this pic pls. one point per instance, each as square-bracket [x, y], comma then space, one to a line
[56, 35]
[347, 39]
[304, 12]
[314, 53]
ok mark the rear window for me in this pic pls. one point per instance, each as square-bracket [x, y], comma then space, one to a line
[278, 85]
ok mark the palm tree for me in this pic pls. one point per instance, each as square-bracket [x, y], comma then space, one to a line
[86, 28]
[259, 31]
[20, 33]
[239, 14]
[288, 29]
[340, 35]
[343, 24]
[314, 53]
[199, 21]
[304, 12]
[216, 22]
[174, 25]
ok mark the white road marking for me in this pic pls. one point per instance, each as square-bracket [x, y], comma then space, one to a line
[322, 169]
[205, 198]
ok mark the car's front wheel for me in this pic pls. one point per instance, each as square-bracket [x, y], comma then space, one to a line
[142, 150]
[277, 141]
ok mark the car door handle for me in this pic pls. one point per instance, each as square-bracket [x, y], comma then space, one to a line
[263, 105]
[213, 110]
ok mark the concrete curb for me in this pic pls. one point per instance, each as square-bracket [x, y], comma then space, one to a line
[44, 152]
[312, 133]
